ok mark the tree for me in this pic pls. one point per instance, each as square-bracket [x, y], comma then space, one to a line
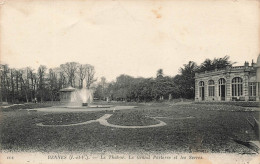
[62, 80]
[70, 69]
[12, 75]
[216, 63]
[53, 85]
[120, 89]
[144, 90]
[41, 83]
[90, 73]
[24, 79]
[33, 81]
[141, 89]
[24, 85]
[103, 85]
[4, 82]
[162, 86]
[101, 91]
[82, 72]
[186, 80]
[159, 73]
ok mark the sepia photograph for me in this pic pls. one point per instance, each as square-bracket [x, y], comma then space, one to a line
[129, 81]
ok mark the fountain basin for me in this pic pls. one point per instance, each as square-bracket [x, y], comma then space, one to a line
[84, 104]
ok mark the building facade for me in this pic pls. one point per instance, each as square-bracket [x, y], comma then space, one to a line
[240, 83]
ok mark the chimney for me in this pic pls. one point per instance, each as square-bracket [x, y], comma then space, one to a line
[246, 64]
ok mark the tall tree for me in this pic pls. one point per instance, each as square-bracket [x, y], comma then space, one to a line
[103, 85]
[90, 74]
[62, 80]
[41, 84]
[53, 85]
[187, 79]
[12, 76]
[82, 72]
[4, 82]
[70, 69]
[32, 83]
[24, 79]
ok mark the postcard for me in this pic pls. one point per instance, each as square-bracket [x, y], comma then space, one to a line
[129, 81]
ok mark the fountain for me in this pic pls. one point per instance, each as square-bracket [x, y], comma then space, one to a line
[82, 96]
[80, 100]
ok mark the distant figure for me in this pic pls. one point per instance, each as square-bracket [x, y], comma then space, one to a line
[170, 97]
[35, 100]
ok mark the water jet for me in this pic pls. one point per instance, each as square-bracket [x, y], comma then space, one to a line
[82, 97]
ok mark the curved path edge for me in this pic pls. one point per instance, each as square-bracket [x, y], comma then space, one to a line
[103, 121]
[82, 123]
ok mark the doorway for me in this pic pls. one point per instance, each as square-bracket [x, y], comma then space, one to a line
[223, 92]
[202, 93]
[222, 89]
[201, 90]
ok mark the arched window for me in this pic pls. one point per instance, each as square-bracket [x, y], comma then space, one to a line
[201, 83]
[237, 86]
[211, 88]
[252, 89]
[222, 81]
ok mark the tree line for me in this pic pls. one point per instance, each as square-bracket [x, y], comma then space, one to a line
[27, 84]
[160, 87]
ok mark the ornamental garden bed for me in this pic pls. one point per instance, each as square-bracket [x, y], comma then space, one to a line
[68, 118]
[132, 118]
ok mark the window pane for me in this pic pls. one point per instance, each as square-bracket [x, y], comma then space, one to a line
[211, 90]
[241, 90]
[250, 90]
[233, 90]
[254, 90]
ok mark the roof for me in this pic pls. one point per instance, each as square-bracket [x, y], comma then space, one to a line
[228, 70]
[69, 89]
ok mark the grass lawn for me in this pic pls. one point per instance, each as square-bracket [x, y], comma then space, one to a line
[208, 129]
[131, 118]
[15, 107]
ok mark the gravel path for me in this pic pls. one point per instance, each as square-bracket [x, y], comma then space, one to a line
[103, 121]
[80, 109]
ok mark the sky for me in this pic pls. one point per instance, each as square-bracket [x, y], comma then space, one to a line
[127, 37]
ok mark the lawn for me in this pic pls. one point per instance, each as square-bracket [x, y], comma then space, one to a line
[132, 118]
[190, 128]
